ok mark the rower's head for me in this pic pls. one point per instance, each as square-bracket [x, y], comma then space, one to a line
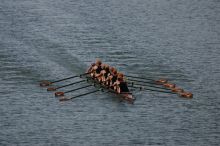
[120, 79]
[98, 62]
[103, 66]
[115, 72]
[120, 75]
[106, 67]
[111, 69]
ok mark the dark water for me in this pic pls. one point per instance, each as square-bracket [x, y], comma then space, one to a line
[45, 39]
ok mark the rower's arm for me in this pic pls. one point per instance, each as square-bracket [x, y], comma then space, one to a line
[98, 75]
[90, 69]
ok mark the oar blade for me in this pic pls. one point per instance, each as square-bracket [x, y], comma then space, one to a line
[186, 95]
[51, 89]
[59, 94]
[161, 81]
[63, 98]
[45, 83]
[177, 90]
[169, 85]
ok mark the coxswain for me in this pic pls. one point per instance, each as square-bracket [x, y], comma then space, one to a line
[121, 85]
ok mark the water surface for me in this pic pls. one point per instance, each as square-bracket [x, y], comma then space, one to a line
[45, 39]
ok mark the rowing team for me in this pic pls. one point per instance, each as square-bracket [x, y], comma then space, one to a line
[108, 76]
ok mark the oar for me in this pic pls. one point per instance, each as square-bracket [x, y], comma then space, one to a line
[63, 98]
[47, 83]
[62, 93]
[149, 79]
[141, 88]
[132, 83]
[182, 94]
[158, 82]
[171, 88]
[141, 81]
[168, 86]
[55, 88]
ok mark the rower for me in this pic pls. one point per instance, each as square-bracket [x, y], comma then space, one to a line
[95, 68]
[101, 73]
[98, 66]
[105, 73]
[91, 68]
[121, 85]
[112, 78]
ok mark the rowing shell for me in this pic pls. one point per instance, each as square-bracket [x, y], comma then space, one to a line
[123, 96]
